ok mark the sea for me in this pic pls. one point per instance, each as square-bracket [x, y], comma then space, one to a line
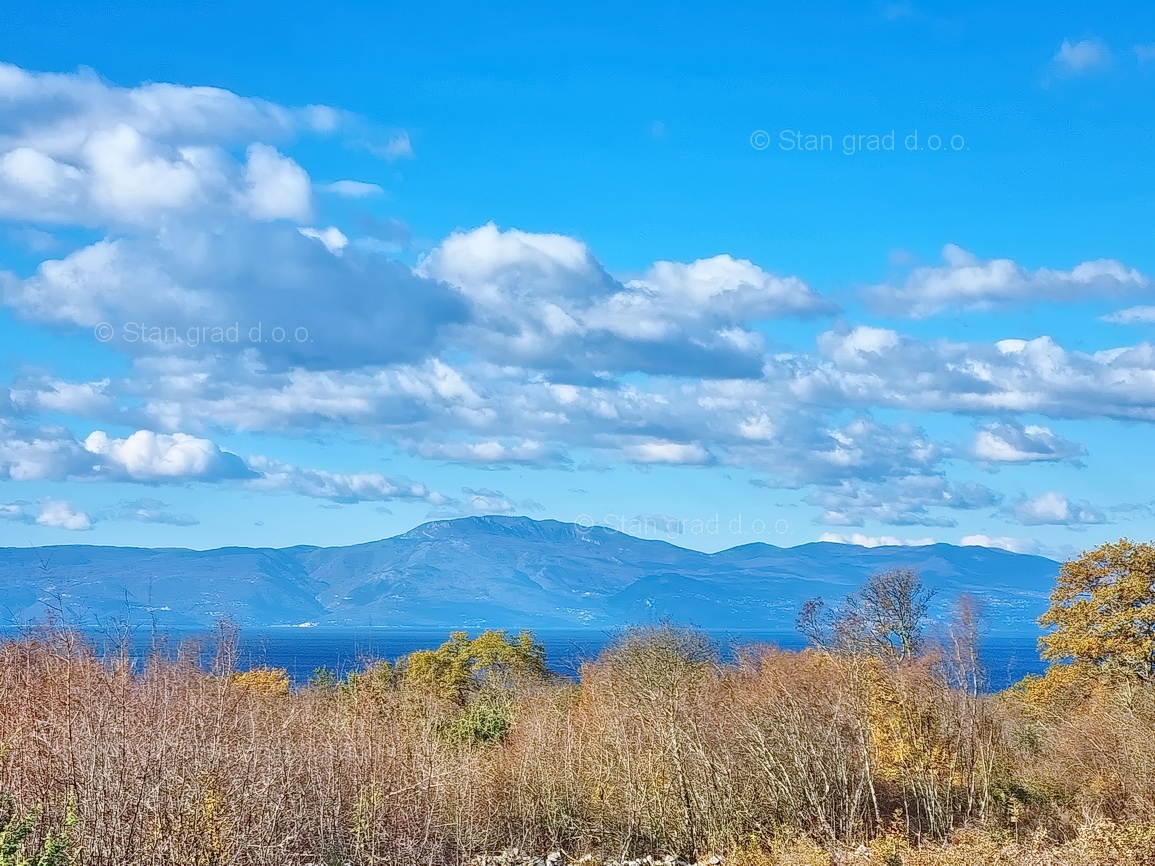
[301, 651]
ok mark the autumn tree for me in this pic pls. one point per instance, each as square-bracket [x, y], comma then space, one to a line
[895, 604]
[462, 666]
[1102, 610]
[885, 617]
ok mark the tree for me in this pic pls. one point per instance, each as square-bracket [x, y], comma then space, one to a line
[894, 605]
[460, 666]
[885, 617]
[1103, 610]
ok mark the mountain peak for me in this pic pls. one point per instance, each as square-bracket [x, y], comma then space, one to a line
[512, 526]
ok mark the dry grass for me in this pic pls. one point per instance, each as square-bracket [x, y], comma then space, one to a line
[799, 758]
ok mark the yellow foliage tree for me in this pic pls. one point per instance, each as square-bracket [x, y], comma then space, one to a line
[460, 665]
[1103, 611]
[263, 680]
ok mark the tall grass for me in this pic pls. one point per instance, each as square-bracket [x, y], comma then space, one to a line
[660, 748]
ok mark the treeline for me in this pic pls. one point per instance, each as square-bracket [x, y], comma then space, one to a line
[877, 745]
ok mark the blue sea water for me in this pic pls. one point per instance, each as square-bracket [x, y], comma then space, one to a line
[300, 651]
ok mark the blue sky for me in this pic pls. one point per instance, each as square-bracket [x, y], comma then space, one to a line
[274, 274]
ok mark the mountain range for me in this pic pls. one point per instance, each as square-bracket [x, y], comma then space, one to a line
[511, 572]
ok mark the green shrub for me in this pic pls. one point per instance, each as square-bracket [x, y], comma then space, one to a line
[19, 845]
[481, 723]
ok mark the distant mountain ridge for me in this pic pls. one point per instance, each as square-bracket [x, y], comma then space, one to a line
[494, 571]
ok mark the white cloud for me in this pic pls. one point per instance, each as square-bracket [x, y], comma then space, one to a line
[1001, 542]
[901, 501]
[735, 290]
[484, 501]
[52, 454]
[1084, 55]
[277, 477]
[490, 265]
[89, 399]
[684, 453]
[505, 347]
[966, 282]
[544, 300]
[1053, 508]
[332, 237]
[333, 311]
[275, 186]
[76, 150]
[63, 515]
[1015, 443]
[1010, 376]
[1132, 316]
[857, 347]
[351, 188]
[758, 428]
[15, 512]
[49, 453]
[857, 538]
[148, 456]
[491, 451]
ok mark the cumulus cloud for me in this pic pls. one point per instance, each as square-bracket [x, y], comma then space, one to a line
[808, 451]
[545, 300]
[52, 454]
[193, 292]
[1054, 508]
[967, 282]
[76, 150]
[477, 412]
[63, 515]
[275, 186]
[148, 456]
[1014, 443]
[500, 348]
[1009, 376]
[55, 513]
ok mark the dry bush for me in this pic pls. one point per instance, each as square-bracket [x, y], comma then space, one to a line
[1087, 748]
[780, 757]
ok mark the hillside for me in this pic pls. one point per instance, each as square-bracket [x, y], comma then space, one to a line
[495, 571]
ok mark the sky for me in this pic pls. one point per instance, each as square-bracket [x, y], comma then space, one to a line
[276, 274]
